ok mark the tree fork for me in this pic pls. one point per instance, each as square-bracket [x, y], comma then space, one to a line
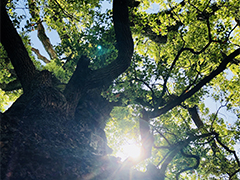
[84, 79]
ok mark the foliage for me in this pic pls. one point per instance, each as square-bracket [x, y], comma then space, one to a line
[176, 48]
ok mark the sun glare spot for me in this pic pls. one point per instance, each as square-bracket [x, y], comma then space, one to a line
[132, 150]
[129, 150]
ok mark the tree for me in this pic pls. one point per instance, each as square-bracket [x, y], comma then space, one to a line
[55, 129]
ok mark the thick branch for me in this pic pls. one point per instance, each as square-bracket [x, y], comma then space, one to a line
[45, 41]
[104, 76]
[215, 148]
[74, 88]
[171, 156]
[189, 168]
[34, 11]
[147, 139]
[234, 173]
[227, 149]
[16, 51]
[13, 85]
[195, 117]
[124, 44]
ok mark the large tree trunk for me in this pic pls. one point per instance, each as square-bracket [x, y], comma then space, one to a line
[49, 134]
[40, 142]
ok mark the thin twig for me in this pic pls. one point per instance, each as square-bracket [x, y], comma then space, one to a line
[215, 116]
[163, 136]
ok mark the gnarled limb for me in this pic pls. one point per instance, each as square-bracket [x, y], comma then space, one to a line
[189, 168]
[84, 79]
[176, 148]
[106, 75]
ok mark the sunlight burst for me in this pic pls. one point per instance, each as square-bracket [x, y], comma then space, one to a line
[129, 150]
[132, 150]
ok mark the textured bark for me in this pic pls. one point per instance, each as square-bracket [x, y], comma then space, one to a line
[147, 139]
[195, 117]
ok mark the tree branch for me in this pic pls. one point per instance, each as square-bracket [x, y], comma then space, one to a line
[234, 173]
[195, 117]
[65, 12]
[39, 56]
[176, 148]
[125, 47]
[215, 148]
[161, 134]
[41, 31]
[204, 81]
[169, 71]
[103, 77]
[13, 85]
[147, 139]
[16, 51]
[45, 41]
[227, 149]
[189, 168]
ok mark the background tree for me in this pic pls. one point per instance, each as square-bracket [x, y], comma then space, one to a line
[55, 129]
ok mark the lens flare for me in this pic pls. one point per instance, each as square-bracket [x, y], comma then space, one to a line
[132, 150]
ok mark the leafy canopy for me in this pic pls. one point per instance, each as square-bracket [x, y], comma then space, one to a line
[177, 49]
